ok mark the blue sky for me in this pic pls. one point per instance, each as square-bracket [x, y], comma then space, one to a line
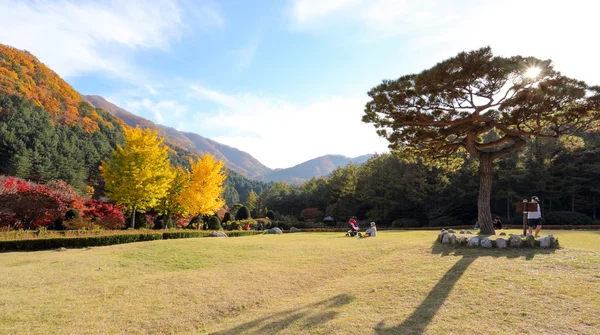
[284, 80]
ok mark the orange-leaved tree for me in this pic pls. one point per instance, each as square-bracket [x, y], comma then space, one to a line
[139, 174]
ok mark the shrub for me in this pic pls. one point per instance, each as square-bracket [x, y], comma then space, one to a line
[72, 214]
[405, 222]
[226, 217]
[567, 218]
[214, 223]
[184, 234]
[444, 221]
[250, 222]
[270, 214]
[79, 223]
[244, 233]
[77, 242]
[234, 225]
[242, 213]
[110, 215]
[311, 213]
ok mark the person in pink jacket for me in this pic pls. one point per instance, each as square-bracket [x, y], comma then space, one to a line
[353, 227]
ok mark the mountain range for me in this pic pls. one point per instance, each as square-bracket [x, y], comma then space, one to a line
[235, 159]
[25, 83]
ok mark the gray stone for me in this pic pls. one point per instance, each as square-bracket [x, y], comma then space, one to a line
[469, 232]
[463, 240]
[473, 242]
[275, 230]
[451, 231]
[453, 239]
[486, 243]
[462, 231]
[514, 241]
[530, 241]
[554, 241]
[61, 249]
[294, 230]
[545, 242]
[446, 238]
[441, 235]
[217, 234]
[502, 234]
[500, 243]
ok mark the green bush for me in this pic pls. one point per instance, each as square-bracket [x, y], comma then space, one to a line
[226, 217]
[270, 214]
[444, 221]
[567, 218]
[244, 233]
[77, 242]
[214, 223]
[72, 214]
[405, 223]
[184, 234]
[242, 213]
[234, 225]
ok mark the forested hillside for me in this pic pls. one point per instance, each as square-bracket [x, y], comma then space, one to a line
[318, 167]
[565, 175]
[48, 132]
[234, 159]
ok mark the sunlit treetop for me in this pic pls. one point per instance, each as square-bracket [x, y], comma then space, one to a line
[479, 103]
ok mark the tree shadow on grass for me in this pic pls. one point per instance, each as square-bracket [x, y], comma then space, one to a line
[424, 313]
[313, 315]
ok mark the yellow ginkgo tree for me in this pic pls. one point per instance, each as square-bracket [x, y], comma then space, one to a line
[203, 193]
[138, 174]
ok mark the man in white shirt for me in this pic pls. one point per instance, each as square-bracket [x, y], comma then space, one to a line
[534, 219]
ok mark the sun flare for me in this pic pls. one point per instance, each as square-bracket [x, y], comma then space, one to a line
[533, 72]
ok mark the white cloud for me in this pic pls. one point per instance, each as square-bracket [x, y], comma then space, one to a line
[243, 57]
[282, 134]
[380, 18]
[427, 32]
[161, 110]
[74, 37]
[308, 11]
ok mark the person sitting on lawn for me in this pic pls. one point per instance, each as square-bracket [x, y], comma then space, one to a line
[353, 227]
[371, 232]
[497, 223]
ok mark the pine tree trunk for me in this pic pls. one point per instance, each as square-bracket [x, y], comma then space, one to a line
[486, 174]
[594, 207]
[508, 209]
[133, 217]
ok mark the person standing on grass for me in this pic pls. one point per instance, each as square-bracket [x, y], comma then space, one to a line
[534, 219]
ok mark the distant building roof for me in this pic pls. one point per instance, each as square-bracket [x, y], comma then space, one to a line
[328, 218]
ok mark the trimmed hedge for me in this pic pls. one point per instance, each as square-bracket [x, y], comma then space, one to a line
[238, 233]
[405, 222]
[184, 234]
[567, 218]
[77, 242]
[103, 240]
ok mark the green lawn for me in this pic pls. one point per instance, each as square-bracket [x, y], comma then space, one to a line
[304, 283]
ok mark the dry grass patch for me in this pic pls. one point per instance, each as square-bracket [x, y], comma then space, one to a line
[304, 283]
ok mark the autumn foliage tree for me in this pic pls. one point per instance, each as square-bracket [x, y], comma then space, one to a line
[28, 205]
[202, 193]
[480, 105]
[139, 174]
